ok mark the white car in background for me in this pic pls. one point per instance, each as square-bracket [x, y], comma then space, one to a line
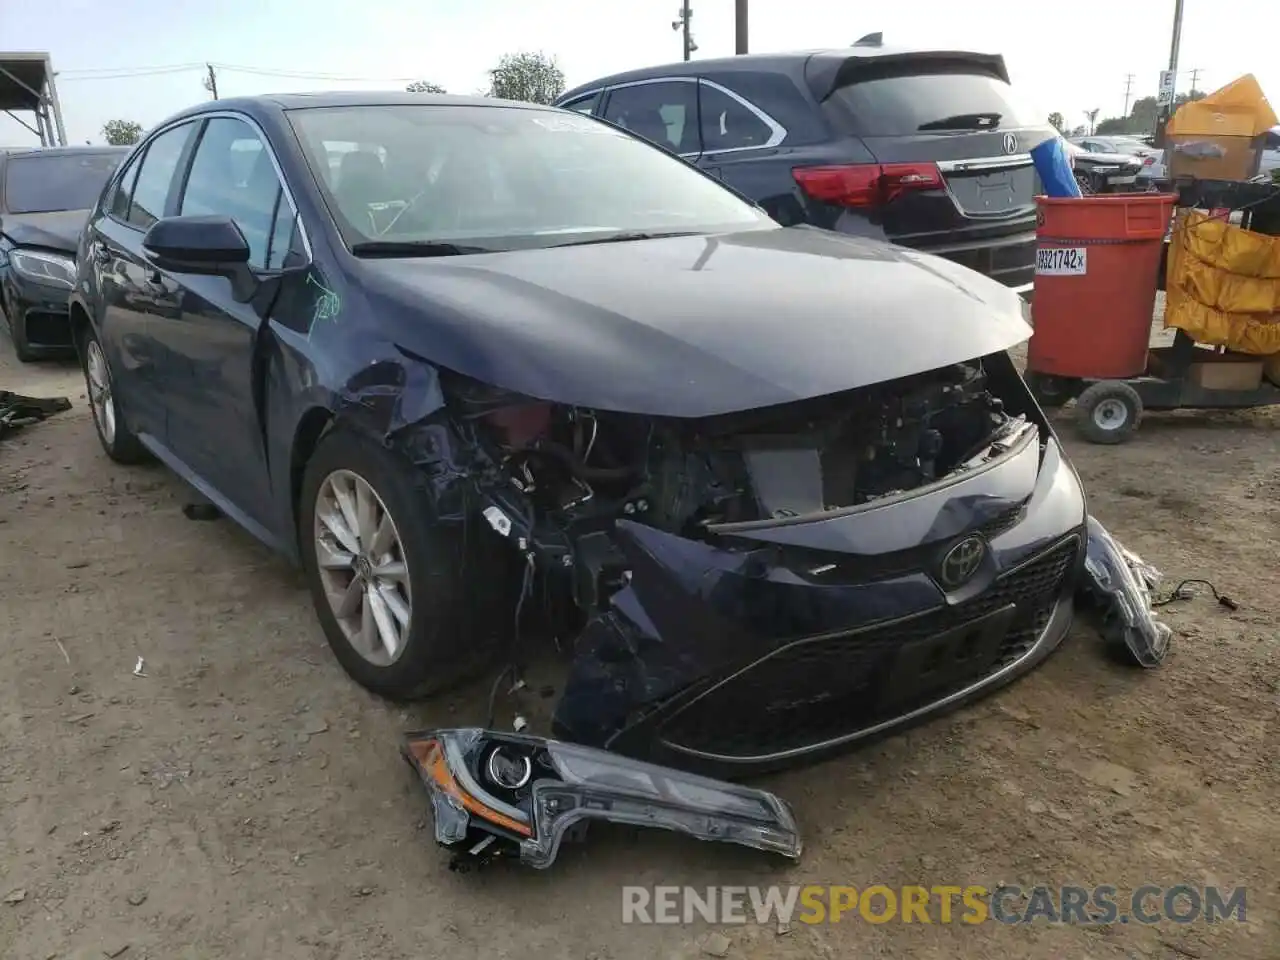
[1153, 167]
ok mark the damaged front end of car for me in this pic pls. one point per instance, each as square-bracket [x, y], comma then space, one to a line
[747, 589]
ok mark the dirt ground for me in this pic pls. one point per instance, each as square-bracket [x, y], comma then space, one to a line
[245, 799]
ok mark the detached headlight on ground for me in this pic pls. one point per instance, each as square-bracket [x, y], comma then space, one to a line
[51, 269]
[501, 794]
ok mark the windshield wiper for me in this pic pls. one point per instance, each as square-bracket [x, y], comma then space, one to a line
[413, 248]
[624, 235]
[964, 121]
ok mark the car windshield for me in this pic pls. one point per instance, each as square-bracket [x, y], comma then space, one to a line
[36, 184]
[445, 178]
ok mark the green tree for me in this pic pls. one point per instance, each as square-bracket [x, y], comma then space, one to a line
[425, 86]
[1057, 121]
[533, 77]
[121, 133]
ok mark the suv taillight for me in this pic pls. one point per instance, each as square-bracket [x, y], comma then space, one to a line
[867, 184]
[1148, 161]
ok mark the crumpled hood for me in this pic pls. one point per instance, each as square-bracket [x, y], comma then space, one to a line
[59, 230]
[694, 326]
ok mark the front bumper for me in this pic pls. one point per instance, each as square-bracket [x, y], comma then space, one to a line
[763, 647]
[39, 311]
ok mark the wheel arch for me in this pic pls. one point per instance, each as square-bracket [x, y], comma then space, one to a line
[312, 425]
[80, 323]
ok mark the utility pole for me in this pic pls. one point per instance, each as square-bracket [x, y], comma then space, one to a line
[740, 26]
[682, 23]
[1166, 109]
[211, 81]
[1195, 79]
[1128, 88]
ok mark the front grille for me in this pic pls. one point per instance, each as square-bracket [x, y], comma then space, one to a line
[812, 691]
[852, 568]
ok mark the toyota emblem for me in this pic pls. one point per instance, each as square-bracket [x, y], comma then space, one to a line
[1009, 143]
[962, 561]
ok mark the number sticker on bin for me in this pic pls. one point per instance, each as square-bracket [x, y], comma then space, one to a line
[1061, 261]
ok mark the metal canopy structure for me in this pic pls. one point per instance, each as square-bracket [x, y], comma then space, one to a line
[27, 86]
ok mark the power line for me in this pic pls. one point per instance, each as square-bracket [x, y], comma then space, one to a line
[110, 73]
[305, 75]
[129, 74]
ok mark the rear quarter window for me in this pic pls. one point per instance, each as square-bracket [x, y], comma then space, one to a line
[900, 103]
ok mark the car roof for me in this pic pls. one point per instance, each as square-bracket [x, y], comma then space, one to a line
[792, 62]
[277, 102]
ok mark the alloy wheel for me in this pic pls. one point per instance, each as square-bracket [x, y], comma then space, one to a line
[99, 377]
[362, 567]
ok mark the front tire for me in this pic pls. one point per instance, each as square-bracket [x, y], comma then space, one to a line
[114, 434]
[385, 576]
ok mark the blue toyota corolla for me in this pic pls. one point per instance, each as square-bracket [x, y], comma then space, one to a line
[490, 369]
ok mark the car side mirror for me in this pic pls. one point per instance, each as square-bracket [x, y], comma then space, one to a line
[206, 245]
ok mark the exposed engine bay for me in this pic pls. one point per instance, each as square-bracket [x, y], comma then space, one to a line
[825, 454]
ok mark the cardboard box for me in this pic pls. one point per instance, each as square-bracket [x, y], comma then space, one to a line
[1239, 161]
[1227, 371]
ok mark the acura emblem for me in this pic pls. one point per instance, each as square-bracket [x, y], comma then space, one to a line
[1010, 143]
[961, 561]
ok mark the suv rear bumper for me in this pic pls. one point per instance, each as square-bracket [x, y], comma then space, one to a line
[1010, 259]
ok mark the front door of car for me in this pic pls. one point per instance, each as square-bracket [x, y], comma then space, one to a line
[210, 339]
[129, 288]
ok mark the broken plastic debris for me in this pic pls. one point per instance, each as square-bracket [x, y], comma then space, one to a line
[1122, 584]
[140, 668]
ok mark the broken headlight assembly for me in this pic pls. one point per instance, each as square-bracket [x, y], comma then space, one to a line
[512, 795]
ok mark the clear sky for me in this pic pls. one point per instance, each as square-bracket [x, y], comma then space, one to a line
[1063, 56]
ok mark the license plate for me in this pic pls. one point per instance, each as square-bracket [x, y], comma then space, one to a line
[948, 659]
[1062, 261]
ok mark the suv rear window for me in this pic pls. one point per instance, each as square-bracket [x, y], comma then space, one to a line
[899, 104]
[35, 184]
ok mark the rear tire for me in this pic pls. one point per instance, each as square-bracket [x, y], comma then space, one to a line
[1108, 412]
[114, 434]
[429, 647]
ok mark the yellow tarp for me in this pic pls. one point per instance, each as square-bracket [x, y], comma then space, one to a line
[1223, 284]
[1240, 109]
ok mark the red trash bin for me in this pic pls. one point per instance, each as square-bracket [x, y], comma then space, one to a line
[1097, 262]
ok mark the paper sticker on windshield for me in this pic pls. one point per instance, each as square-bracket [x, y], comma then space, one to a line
[568, 123]
[1062, 261]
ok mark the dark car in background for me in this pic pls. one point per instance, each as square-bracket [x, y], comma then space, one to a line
[508, 380]
[45, 196]
[927, 148]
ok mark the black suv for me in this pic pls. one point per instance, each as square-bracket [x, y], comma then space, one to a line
[927, 148]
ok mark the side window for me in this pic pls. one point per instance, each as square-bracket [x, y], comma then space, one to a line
[232, 175]
[727, 124]
[665, 112]
[585, 104]
[155, 176]
[123, 192]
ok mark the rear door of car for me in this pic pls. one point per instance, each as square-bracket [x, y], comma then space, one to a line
[663, 110]
[950, 144]
[130, 289]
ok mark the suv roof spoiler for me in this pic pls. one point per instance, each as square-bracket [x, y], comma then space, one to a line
[828, 71]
